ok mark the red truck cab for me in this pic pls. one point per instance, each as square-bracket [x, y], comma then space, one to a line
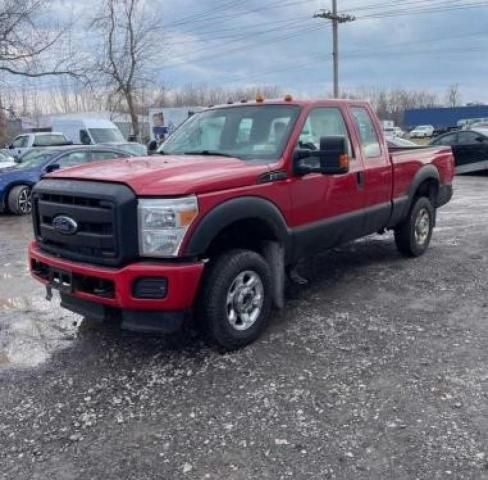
[238, 194]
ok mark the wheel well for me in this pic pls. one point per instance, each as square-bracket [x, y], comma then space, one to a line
[428, 188]
[248, 233]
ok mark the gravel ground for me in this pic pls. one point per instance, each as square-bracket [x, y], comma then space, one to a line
[376, 370]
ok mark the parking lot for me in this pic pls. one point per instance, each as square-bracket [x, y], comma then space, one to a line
[378, 369]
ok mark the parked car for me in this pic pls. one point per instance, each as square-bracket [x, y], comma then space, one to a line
[399, 132]
[470, 148]
[389, 132]
[16, 182]
[212, 224]
[392, 132]
[479, 125]
[26, 141]
[6, 160]
[422, 131]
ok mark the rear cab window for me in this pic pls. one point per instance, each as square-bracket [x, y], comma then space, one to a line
[368, 136]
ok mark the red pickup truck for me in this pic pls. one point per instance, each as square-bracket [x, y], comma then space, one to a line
[237, 196]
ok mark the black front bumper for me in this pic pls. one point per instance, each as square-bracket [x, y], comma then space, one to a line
[134, 320]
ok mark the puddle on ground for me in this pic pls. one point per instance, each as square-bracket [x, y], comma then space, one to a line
[4, 360]
[31, 329]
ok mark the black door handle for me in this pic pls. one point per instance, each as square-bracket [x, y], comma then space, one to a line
[360, 179]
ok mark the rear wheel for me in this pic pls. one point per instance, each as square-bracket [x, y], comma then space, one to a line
[235, 302]
[19, 200]
[413, 236]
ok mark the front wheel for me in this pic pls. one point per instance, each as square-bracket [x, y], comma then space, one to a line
[413, 236]
[19, 200]
[235, 302]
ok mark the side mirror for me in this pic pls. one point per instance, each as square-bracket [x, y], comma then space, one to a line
[52, 167]
[331, 159]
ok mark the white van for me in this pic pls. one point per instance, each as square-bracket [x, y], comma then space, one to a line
[88, 131]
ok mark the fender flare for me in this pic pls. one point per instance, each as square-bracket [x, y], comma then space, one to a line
[427, 172]
[231, 211]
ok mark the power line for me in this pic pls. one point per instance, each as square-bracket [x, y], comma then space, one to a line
[254, 44]
[402, 3]
[422, 10]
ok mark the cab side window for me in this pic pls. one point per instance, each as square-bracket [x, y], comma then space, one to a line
[367, 133]
[323, 122]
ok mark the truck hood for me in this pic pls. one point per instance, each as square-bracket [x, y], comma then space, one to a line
[170, 175]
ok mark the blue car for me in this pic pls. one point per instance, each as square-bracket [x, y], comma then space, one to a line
[16, 182]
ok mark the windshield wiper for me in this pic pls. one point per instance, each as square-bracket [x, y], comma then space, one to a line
[210, 153]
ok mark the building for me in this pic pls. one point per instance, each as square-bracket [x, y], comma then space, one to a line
[443, 118]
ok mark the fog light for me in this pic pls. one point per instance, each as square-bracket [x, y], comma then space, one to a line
[150, 287]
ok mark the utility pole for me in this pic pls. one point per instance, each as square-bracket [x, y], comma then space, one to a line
[336, 19]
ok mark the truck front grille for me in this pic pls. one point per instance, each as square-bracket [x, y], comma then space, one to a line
[104, 214]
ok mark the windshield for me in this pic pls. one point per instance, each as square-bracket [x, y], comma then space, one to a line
[33, 159]
[247, 132]
[105, 135]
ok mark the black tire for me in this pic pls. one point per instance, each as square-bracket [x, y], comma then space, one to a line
[413, 236]
[214, 309]
[19, 200]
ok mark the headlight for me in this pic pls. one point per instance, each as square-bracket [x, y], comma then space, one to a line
[163, 224]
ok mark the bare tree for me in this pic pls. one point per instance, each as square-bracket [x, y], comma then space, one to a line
[453, 95]
[27, 46]
[391, 104]
[131, 38]
[204, 95]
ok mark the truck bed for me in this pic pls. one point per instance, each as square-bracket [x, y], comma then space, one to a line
[407, 161]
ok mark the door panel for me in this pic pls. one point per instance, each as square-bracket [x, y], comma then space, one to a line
[327, 209]
[378, 172]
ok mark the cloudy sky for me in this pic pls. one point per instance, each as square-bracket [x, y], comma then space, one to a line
[414, 44]
[426, 44]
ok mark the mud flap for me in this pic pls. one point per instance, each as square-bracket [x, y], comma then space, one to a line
[274, 253]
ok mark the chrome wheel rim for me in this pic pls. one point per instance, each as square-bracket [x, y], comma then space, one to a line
[24, 201]
[422, 226]
[245, 299]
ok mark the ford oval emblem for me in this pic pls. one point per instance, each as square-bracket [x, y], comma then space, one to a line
[65, 225]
